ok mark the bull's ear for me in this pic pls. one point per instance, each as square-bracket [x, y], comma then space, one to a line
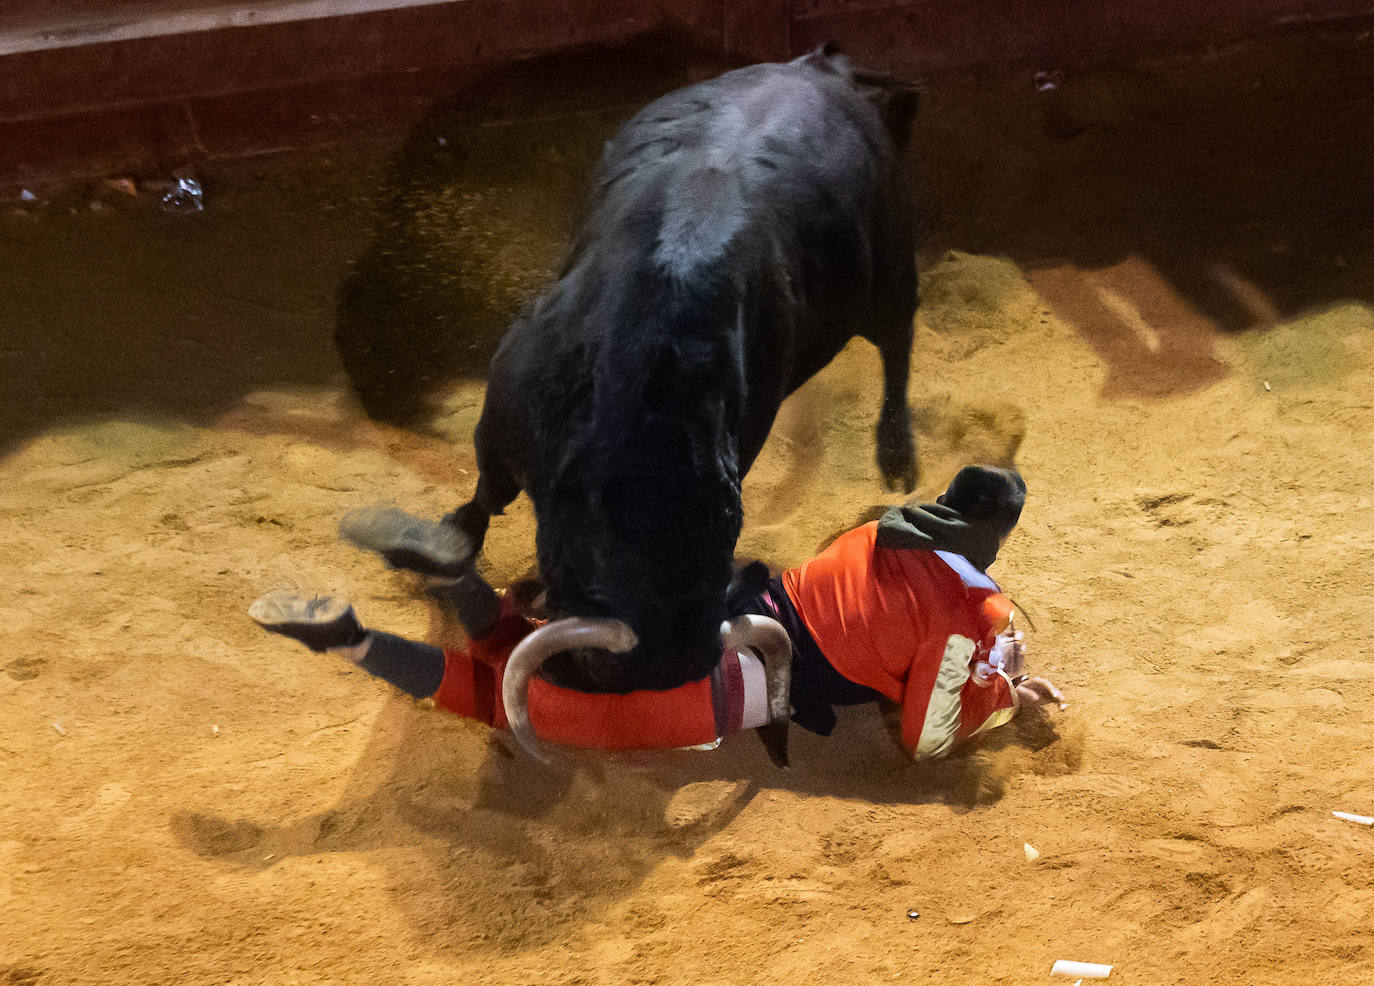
[900, 114]
[827, 58]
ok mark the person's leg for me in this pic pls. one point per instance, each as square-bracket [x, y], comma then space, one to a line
[426, 547]
[469, 596]
[431, 549]
[329, 624]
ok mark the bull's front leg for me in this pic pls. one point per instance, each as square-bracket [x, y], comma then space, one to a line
[896, 447]
[496, 488]
[470, 521]
[496, 484]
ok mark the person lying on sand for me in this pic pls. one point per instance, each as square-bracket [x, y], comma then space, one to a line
[900, 609]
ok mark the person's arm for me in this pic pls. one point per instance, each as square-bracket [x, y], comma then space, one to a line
[987, 704]
[933, 699]
[967, 697]
[1003, 679]
[1008, 655]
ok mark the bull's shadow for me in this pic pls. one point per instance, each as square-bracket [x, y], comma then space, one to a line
[1151, 201]
[500, 851]
[477, 207]
[129, 310]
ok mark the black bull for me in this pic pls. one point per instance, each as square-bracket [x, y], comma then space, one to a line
[740, 232]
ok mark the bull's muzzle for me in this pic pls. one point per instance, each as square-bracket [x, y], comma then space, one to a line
[760, 632]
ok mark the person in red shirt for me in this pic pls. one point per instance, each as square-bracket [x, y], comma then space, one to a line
[902, 609]
[899, 609]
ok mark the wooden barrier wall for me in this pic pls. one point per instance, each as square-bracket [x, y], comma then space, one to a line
[153, 101]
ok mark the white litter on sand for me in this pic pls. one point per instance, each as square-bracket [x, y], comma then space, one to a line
[1357, 819]
[1083, 970]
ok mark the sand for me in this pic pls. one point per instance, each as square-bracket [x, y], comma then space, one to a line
[189, 800]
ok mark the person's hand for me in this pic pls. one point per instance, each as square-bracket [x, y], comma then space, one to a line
[1031, 692]
[983, 674]
[1009, 653]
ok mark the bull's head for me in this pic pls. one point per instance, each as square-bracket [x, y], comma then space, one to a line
[641, 515]
[638, 517]
[637, 565]
[652, 550]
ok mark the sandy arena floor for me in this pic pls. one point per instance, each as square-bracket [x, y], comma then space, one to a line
[1150, 284]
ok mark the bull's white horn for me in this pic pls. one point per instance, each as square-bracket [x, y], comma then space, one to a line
[768, 637]
[552, 638]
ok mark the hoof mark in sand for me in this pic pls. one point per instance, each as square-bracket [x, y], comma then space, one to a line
[26, 668]
[726, 866]
[209, 836]
[1204, 744]
[20, 975]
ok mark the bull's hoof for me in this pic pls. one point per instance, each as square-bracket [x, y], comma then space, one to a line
[899, 471]
[902, 482]
[897, 455]
[427, 547]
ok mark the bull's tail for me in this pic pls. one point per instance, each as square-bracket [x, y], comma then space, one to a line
[897, 100]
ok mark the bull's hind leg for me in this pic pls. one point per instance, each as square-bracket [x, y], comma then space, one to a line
[896, 447]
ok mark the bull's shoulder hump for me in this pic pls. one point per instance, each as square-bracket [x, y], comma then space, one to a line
[741, 113]
[707, 161]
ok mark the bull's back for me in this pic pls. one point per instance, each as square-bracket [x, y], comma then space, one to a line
[765, 158]
[773, 191]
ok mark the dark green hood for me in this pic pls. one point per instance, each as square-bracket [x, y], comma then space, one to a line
[935, 527]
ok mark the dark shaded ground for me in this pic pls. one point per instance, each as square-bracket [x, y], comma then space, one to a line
[476, 207]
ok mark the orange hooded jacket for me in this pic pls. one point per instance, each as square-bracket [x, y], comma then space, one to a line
[909, 624]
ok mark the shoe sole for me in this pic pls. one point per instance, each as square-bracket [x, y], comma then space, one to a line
[405, 541]
[286, 608]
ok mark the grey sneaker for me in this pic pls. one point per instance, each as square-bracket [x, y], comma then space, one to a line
[319, 622]
[403, 540]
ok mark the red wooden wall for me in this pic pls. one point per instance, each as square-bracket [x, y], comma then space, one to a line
[155, 101]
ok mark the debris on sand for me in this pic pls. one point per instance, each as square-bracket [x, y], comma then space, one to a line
[1082, 970]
